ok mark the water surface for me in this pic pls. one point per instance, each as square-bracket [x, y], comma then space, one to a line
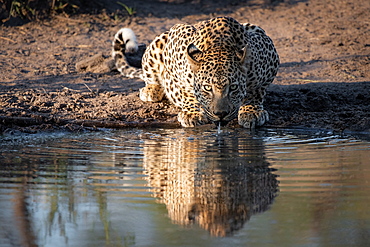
[185, 187]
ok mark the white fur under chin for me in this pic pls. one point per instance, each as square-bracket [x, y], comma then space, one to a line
[129, 38]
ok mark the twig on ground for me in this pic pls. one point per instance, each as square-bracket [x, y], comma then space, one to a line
[4, 38]
[89, 89]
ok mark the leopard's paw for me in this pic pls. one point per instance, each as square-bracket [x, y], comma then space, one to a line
[251, 116]
[191, 119]
[151, 93]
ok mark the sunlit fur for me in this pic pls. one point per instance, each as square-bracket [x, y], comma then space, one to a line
[215, 70]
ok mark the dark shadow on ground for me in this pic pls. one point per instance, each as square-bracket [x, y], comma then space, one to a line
[333, 105]
[138, 8]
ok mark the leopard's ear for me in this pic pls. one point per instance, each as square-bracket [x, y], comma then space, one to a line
[243, 54]
[245, 58]
[193, 55]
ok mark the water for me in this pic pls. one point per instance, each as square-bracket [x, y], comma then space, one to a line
[219, 130]
[185, 187]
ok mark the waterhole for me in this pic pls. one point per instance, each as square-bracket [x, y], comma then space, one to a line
[185, 187]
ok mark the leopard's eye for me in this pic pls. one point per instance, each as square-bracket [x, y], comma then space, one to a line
[233, 87]
[207, 87]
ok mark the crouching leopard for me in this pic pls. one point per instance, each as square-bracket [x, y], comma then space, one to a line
[214, 71]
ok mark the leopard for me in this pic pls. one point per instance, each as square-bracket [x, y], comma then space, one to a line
[214, 71]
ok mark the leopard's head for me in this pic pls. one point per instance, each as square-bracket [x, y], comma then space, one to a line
[219, 80]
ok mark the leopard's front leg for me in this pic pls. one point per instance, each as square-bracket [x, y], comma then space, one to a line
[251, 116]
[191, 115]
[191, 118]
[152, 93]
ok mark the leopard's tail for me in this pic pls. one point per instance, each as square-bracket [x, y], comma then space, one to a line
[125, 44]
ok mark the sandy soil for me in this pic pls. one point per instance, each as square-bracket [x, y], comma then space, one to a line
[323, 82]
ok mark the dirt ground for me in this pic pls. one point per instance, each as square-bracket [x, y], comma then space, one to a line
[323, 81]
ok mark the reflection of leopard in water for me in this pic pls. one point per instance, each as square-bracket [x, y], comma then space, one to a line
[219, 191]
[214, 71]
